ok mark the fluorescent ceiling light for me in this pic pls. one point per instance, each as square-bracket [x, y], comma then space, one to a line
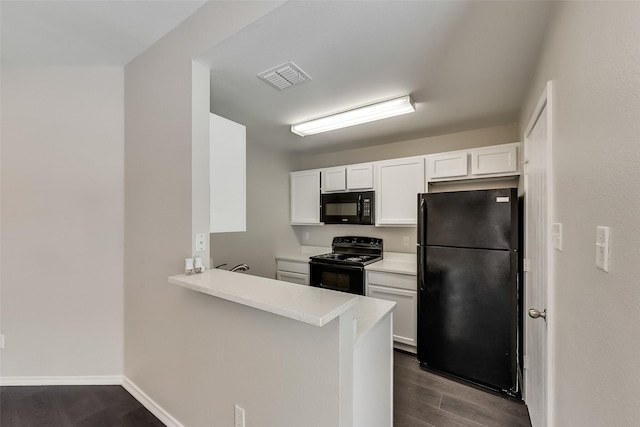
[370, 113]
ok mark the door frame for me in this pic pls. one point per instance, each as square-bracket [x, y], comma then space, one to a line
[545, 100]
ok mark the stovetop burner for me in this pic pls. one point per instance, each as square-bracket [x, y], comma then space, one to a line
[353, 250]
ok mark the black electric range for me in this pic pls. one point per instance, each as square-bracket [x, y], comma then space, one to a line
[343, 268]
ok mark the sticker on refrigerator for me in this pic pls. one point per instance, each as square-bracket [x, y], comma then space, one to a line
[502, 199]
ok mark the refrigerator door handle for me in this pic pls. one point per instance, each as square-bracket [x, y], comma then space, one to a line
[421, 260]
[422, 206]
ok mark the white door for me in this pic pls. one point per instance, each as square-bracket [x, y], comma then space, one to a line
[537, 185]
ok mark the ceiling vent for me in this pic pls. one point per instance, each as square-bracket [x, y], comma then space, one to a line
[284, 75]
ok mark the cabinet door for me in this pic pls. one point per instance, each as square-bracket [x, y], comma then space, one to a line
[360, 177]
[447, 165]
[286, 276]
[398, 183]
[227, 177]
[305, 197]
[495, 159]
[405, 321]
[334, 179]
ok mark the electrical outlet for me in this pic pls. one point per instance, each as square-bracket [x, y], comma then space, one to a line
[306, 235]
[201, 242]
[239, 417]
[556, 233]
[405, 240]
[602, 248]
[2, 341]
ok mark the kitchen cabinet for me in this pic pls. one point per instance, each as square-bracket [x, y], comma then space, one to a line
[227, 176]
[495, 161]
[292, 271]
[305, 197]
[447, 165]
[334, 179]
[360, 177]
[347, 178]
[398, 183]
[401, 289]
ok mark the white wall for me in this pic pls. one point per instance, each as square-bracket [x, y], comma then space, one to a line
[394, 236]
[193, 354]
[62, 221]
[591, 54]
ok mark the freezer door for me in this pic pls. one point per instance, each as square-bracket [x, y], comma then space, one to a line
[473, 219]
[468, 315]
[422, 211]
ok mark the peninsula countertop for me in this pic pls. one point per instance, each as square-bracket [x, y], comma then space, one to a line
[306, 304]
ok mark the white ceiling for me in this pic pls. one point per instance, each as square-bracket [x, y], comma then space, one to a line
[86, 32]
[467, 64]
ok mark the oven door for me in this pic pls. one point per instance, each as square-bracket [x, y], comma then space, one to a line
[345, 278]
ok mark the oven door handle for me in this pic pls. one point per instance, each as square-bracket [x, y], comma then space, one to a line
[338, 266]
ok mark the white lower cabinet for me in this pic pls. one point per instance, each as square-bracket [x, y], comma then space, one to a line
[287, 276]
[292, 271]
[401, 289]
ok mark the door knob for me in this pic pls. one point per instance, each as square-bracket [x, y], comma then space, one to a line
[534, 314]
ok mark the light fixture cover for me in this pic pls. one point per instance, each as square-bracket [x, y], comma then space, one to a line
[369, 113]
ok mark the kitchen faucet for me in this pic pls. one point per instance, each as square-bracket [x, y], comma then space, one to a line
[240, 267]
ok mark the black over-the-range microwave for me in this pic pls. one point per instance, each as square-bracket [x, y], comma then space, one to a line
[348, 208]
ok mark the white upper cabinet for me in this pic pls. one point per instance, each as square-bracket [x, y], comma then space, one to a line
[347, 178]
[447, 165]
[486, 162]
[305, 197]
[334, 179]
[495, 159]
[398, 183]
[360, 177]
[227, 175]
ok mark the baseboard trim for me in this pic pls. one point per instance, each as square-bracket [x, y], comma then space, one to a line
[36, 381]
[150, 404]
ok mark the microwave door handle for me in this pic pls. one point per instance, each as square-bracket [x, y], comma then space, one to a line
[360, 206]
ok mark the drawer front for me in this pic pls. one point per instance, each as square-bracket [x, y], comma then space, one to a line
[285, 276]
[393, 280]
[293, 266]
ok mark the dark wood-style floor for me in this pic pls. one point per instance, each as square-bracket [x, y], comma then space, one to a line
[77, 406]
[422, 399]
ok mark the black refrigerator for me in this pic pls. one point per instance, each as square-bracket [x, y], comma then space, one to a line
[468, 285]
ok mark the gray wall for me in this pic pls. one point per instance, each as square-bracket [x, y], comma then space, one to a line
[268, 230]
[195, 355]
[394, 236]
[62, 221]
[592, 57]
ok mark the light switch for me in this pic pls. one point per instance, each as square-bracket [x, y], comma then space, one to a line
[556, 233]
[602, 247]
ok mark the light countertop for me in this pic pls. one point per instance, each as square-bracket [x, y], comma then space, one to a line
[368, 312]
[306, 304]
[303, 254]
[394, 262]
